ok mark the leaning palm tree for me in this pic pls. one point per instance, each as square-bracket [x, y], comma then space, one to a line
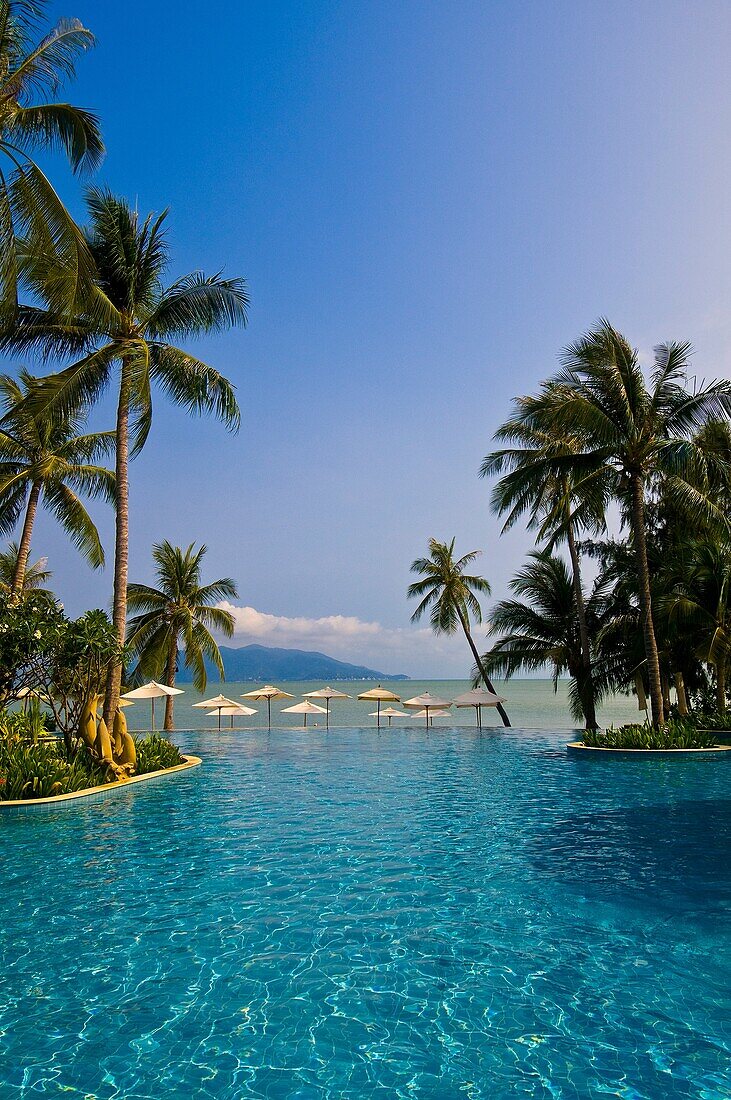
[178, 611]
[541, 628]
[558, 506]
[449, 592]
[45, 459]
[635, 434]
[32, 73]
[126, 336]
[36, 577]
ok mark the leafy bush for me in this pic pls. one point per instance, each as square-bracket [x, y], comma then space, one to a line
[156, 753]
[31, 770]
[676, 734]
[62, 659]
[713, 720]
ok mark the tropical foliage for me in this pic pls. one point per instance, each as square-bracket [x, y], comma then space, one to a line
[450, 594]
[45, 458]
[37, 575]
[673, 735]
[30, 768]
[124, 333]
[179, 610]
[34, 224]
[602, 431]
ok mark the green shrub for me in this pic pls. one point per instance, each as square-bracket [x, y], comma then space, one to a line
[31, 770]
[677, 734]
[156, 753]
[713, 720]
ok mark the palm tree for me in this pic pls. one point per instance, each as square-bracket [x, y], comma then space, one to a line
[44, 459]
[178, 610]
[31, 76]
[127, 332]
[542, 629]
[556, 503]
[635, 434]
[700, 601]
[450, 593]
[36, 575]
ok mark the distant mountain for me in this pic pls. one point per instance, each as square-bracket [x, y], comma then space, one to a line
[258, 662]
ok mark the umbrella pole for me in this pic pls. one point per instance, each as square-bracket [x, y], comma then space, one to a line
[219, 719]
[305, 721]
[152, 701]
[327, 714]
[232, 721]
[378, 719]
[269, 710]
[427, 717]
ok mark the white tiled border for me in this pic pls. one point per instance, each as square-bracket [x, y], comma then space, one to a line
[579, 746]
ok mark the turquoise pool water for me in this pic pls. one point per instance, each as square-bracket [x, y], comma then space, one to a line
[400, 914]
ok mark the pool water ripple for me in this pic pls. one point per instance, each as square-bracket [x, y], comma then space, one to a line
[352, 915]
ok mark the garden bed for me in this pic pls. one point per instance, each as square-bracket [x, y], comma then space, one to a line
[54, 801]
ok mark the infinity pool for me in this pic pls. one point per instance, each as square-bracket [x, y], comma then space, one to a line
[363, 914]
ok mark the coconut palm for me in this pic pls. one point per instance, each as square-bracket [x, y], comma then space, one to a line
[449, 594]
[635, 433]
[542, 629]
[700, 602]
[178, 611]
[127, 337]
[36, 575]
[45, 459]
[32, 73]
[558, 506]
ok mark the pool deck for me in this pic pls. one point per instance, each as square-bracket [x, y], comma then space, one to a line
[58, 800]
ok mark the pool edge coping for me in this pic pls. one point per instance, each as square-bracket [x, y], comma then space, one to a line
[579, 746]
[105, 788]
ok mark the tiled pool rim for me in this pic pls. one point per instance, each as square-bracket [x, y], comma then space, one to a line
[60, 800]
[579, 746]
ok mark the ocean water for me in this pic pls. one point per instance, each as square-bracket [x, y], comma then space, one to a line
[531, 704]
[407, 913]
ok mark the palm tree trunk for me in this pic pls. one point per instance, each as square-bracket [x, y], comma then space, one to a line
[478, 661]
[24, 549]
[680, 692]
[172, 664]
[588, 701]
[721, 686]
[121, 544]
[643, 582]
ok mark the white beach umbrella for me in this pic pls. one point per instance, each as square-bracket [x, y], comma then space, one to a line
[231, 711]
[427, 702]
[304, 708]
[379, 695]
[219, 703]
[152, 691]
[479, 698]
[327, 694]
[430, 715]
[388, 712]
[268, 692]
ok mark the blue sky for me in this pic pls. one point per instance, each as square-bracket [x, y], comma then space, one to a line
[427, 200]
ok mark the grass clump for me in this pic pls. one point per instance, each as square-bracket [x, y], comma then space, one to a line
[676, 734]
[32, 770]
[155, 753]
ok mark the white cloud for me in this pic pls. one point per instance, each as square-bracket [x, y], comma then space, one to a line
[414, 651]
